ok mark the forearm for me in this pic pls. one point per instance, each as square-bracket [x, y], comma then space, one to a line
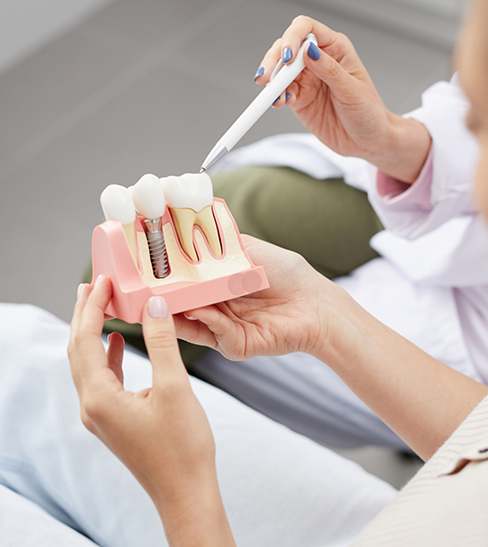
[403, 154]
[194, 515]
[421, 399]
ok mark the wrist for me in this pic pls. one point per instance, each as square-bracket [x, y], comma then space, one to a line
[342, 327]
[192, 512]
[405, 149]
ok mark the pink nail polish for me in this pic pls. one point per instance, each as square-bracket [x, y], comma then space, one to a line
[157, 307]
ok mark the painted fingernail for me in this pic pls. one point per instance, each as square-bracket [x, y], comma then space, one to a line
[288, 95]
[276, 100]
[158, 309]
[313, 52]
[78, 292]
[97, 282]
[286, 55]
[259, 72]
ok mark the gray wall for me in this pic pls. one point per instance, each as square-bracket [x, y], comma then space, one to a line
[27, 24]
[432, 22]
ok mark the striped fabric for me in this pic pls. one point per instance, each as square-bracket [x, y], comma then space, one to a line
[446, 503]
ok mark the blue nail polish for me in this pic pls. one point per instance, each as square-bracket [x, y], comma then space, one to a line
[286, 55]
[313, 52]
[259, 72]
[288, 95]
[275, 101]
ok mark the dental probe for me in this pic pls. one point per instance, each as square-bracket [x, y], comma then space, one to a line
[282, 76]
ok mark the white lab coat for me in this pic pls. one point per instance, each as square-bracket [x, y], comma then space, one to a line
[432, 283]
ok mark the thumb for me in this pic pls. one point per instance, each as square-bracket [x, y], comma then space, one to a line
[327, 69]
[160, 337]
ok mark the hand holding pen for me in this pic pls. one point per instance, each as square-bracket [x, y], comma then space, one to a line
[335, 99]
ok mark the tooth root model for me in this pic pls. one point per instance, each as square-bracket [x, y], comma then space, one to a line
[190, 198]
[117, 204]
[149, 199]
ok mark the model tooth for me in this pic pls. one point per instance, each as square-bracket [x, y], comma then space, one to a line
[189, 191]
[148, 196]
[190, 198]
[206, 221]
[184, 220]
[149, 199]
[117, 204]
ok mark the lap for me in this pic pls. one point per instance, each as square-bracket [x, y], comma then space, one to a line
[25, 524]
[279, 488]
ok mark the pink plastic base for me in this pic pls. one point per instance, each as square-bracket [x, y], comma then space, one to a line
[112, 257]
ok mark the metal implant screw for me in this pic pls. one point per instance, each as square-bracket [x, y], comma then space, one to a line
[157, 247]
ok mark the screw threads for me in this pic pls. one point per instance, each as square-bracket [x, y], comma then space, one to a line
[157, 247]
[157, 250]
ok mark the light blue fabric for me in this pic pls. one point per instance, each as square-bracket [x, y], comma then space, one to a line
[279, 488]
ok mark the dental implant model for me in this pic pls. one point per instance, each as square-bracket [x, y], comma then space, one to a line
[183, 245]
[149, 199]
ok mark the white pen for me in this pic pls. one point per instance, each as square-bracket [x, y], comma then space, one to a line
[282, 76]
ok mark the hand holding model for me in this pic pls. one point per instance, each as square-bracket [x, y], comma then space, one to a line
[162, 433]
[304, 311]
[336, 100]
[280, 320]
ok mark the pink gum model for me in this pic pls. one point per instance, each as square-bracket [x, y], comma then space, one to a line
[112, 256]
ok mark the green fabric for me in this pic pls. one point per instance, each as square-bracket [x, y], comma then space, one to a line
[326, 221]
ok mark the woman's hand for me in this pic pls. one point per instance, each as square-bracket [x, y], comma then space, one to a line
[287, 317]
[422, 400]
[336, 100]
[161, 433]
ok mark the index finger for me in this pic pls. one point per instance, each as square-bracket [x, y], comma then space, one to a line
[86, 350]
[295, 35]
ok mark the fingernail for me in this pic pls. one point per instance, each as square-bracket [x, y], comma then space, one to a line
[259, 72]
[158, 309]
[190, 318]
[286, 55]
[276, 100]
[78, 292]
[313, 52]
[288, 95]
[97, 282]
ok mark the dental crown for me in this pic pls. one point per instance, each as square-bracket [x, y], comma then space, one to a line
[189, 191]
[117, 204]
[149, 197]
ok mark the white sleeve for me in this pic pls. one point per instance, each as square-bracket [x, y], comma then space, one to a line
[454, 157]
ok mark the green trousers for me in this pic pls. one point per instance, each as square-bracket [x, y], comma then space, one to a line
[326, 221]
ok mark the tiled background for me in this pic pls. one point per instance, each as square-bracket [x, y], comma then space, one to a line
[149, 86]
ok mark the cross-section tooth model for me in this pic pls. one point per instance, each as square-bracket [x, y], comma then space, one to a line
[183, 244]
[190, 198]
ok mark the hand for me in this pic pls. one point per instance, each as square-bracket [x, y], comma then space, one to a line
[287, 317]
[160, 433]
[304, 311]
[336, 100]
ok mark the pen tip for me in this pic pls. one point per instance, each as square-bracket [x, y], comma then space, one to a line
[202, 170]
